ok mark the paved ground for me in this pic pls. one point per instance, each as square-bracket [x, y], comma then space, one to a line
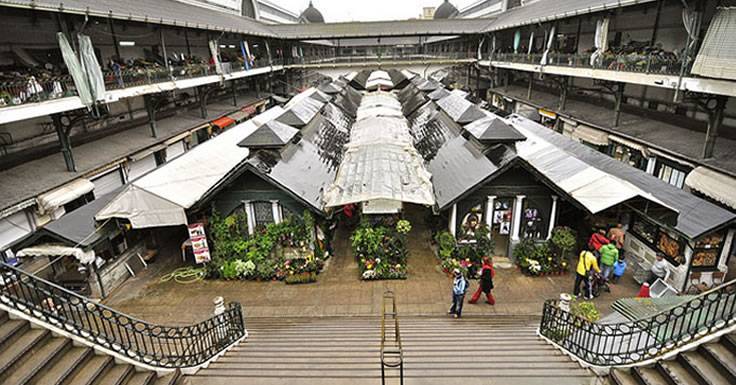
[340, 292]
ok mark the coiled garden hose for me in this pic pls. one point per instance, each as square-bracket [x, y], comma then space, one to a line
[186, 275]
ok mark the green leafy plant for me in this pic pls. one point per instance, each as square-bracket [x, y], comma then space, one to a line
[585, 310]
[403, 226]
[380, 250]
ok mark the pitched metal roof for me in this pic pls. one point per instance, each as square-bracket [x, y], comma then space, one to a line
[493, 129]
[79, 228]
[269, 135]
[381, 28]
[167, 12]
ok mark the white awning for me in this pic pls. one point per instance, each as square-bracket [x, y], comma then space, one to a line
[715, 185]
[382, 206]
[56, 198]
[717, 56]
[49, 250]
[632, 145]
[143, 209]
[589, 135]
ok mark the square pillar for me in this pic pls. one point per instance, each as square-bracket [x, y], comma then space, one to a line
[516, 224]
[250, 216]
[276, 211]
[552, 216]
[453, 220]
[489, 211]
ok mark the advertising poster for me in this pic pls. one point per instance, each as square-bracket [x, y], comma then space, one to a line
[200, 249]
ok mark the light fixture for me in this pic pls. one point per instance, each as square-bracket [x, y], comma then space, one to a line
[223, 46]
[124, 43]
[231, 46]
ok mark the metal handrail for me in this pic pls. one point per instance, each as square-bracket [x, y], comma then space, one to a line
[150, 344]
[392, 356]
[634, 342]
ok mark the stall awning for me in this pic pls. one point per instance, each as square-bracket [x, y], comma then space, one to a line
[634, 146]
[589, 135]
[50, 250]
[143, 209]
[63, 195]
[717, 56]
[223, 122]
[715, 185]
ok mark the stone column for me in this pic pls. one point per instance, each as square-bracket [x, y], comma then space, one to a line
[453, 220]
[552, 216]
[250, 216]
[276, 211]
[489, 211]
[516, 224]
[651, 163]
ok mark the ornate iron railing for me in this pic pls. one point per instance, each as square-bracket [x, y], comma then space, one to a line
[392, 353]
[642, 63]
[150, 344]
[633, 342]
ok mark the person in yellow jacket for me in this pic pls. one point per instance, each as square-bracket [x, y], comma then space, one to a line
[586, 263]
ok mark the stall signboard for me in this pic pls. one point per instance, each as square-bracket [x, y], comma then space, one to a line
[200, 249]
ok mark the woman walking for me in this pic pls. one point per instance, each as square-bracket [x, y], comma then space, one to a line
[487, 273]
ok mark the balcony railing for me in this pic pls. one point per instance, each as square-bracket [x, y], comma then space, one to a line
[150, 344]
[634, 342]
[371, 58]
[33, 89]
[642, 63]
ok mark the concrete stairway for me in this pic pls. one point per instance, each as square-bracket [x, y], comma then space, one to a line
[35, 356]
[437, 350]
[709, 364]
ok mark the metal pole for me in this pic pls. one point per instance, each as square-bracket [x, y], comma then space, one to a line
[151, 111]
[529, 90]
[189, 48]
[563, 93]
[114, 38]
[619, 101]
[66, 147]
[235, 93]
[653, 39]
[715, 119]
[163, 49]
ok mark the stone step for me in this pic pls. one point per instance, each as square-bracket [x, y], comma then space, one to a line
[280, 354]
[116, 374]
[722, 358]
[648, 376]
[408, 372]
[10, 330]
[168, 379]
[11, 355]
[34, 361]
[530, 357]
[62, 368]
[409, 364]
[495, 380]
[702, 369]
[141, 378]
[487, 343]
[622, 377]
[729, 342]
[90, 370]
[675, 373]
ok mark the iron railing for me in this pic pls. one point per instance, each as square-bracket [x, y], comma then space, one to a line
[641, 63]
[150, 344]
[392, 353]
[630, 343]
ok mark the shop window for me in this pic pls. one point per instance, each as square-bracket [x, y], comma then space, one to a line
[533, 221]
[263, 212]
[79, 202]
[502, 215]
[629, 156]
[671, 174]
[160, 157]
[707, 251]
[471, 223]
[660, 239]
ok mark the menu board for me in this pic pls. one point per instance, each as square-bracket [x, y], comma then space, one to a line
[671, 247]
[707, 250]
[200, 249]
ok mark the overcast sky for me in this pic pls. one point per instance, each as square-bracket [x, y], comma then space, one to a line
[366, 10]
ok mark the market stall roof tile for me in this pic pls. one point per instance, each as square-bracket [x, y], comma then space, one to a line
[79, 226]
[461, 110]
[438, 94]
[545, 150]
[330, 88]
[300, 110]
[457, 165]
[494, 129]
[269, 135]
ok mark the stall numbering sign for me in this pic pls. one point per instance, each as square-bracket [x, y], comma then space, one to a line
[199, 243]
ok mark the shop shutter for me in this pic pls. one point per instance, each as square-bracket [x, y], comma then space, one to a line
[141, 166]
[174, 150]
[717, 56]
[107, 183]
[13, 228]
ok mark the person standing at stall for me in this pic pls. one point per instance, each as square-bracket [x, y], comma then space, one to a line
[586, 263]
[609, 256]
[486, 283]
[617, 235]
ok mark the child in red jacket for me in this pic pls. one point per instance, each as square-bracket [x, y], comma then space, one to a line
[486, 282]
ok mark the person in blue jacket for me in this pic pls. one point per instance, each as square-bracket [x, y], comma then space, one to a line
[619, 268]
[459, 288]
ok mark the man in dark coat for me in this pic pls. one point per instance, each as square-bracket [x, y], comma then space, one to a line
[486, 282]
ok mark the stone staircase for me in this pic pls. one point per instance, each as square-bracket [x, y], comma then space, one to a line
[494, 350]
[35, 356]
[709, 364]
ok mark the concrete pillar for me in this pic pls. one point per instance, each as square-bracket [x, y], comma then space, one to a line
[250, 217]
[552, 216]
[715, 119]
[453, 220]
[489, 211]
[516, 224]
[619, 101]
[276, 211]
[563, 94]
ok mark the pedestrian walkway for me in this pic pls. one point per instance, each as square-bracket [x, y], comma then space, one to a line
[340, 292]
